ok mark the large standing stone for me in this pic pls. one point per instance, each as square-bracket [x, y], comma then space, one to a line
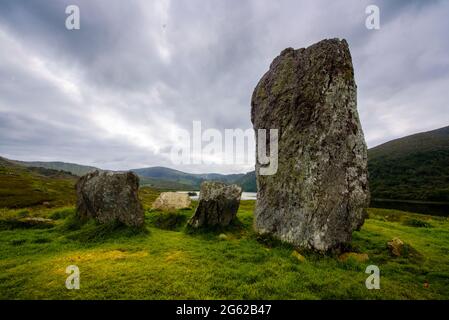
[218, 204]
[320, 191]
[172, 201]
[110, 196]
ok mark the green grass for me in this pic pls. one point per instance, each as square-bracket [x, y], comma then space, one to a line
[22, 187]
[173, 263]
[147, 196]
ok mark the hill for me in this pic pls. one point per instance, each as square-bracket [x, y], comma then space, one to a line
[181, 180]
[73, 168]
[415, 167]
[248, 182]
[30, 186]
[161, 184]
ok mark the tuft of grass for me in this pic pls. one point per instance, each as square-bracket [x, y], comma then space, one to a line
[271, 242]
[42, 240]
[352, 264]
[417, 223]
[17, 242]
[62, 213]
[23, 214]
[92, 231]
[147, 196]
[24, 223]
[71, 223]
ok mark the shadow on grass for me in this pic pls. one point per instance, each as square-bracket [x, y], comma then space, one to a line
[93, 231]
[25, 223]
[236, 228]
[171, 220]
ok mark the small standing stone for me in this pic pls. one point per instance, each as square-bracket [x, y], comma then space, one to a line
[109, 197]
[218, 204]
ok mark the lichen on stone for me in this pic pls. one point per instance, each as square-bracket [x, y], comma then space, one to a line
[320, 191]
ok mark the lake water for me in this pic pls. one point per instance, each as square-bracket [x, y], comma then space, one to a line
[245, 195]
[432, 208]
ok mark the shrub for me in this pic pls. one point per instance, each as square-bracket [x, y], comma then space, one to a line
[412, 222]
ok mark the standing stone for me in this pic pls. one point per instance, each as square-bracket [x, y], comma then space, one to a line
[218, 204]
[172, 201]
[109, 197]
[319, 194]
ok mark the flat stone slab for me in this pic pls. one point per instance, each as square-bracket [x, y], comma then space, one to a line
[172, 201]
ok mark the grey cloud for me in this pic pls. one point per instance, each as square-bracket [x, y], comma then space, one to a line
[142, 67]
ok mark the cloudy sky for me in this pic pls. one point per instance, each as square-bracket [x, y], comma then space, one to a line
[112, 93]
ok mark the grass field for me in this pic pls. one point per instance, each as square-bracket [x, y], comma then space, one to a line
[166, 261]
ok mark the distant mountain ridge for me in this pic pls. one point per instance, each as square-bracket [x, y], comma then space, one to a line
[73, 168]
[248, 182]
[414, 167]
[189, 181]
[157, 177]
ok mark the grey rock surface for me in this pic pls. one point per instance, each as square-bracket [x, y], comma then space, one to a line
[108, 197]
[218, 204]
[319, 194]
[172, 201]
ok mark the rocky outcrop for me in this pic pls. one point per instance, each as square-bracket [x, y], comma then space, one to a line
[218, 204]
[319, 193]
[172, 201]
[109, 197]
